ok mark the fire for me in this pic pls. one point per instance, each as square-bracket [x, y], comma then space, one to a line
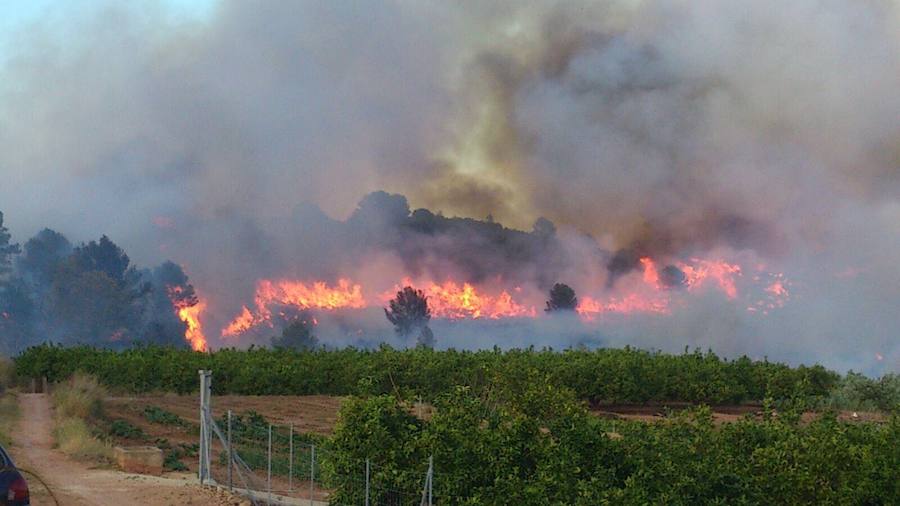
[188, 311]
[194, 333]
[589, 308]
[647, 293]
[776, 293]
[723, 273]
[317, 295]
[651, 275]
[654, 297]
[452, 300]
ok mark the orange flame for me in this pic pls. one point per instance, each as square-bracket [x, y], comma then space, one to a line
[194, 332]
[286, 292]
[651, 275]
[190, 314]
[723, 273]
[589, 308]
[454, 301]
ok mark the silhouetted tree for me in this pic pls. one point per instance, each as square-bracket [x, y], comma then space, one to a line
[103, 256]
[89, 306]
[42, 254]
[7, 251]
[562, 298]
[410, 314]
[296, 336]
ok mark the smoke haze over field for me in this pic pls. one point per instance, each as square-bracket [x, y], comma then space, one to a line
[239, 146]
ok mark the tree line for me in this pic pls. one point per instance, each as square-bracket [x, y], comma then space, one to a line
[89, 293]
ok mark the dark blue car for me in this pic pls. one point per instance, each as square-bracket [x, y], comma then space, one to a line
[13, 488]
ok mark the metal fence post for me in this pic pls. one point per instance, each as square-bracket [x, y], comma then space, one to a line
[230, 455]
[291, 461]
[430, 478]
[312, 474]
[368, 467]
[203, 472]
[269, 479]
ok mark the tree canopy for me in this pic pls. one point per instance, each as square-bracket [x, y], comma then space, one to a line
[297, 335]
[562, 298]
[410, 314]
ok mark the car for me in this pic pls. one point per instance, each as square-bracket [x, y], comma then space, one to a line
[13, 487]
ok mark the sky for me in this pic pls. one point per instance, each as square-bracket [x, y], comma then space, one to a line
[18, 15]
[212, 133]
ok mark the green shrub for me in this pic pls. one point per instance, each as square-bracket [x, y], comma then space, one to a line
[155, 414]
[860, 393]
[125, 429]
[603, 375]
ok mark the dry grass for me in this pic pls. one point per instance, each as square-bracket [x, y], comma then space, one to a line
[74, 438]
[79, 397]
[77, 402]
[9, 415]
[7, 373]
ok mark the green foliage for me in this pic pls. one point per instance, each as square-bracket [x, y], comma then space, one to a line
[603, 375]
[172, 455]
[858, 392]
[125, 429]
[409, 313]
[155, 414]
[562, 298]
[540, 446]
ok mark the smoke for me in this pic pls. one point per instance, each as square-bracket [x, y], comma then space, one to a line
[237, 146]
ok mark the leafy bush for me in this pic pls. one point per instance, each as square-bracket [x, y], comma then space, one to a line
[539, 446]
[602, 375]
[858, 392]
[155, 414]
[172, 455]
[124, 429]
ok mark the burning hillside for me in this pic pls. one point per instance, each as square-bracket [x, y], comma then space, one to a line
[712, 173]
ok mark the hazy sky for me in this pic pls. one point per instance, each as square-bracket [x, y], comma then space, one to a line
[195, 130]
[17, 16]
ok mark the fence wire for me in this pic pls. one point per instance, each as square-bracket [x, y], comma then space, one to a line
[274, 464]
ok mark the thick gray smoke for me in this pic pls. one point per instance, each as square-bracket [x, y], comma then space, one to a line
[667, 128]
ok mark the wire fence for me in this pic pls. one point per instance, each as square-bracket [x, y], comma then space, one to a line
[274, 464]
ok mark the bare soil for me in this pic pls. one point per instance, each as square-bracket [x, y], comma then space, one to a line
[76, 483]
[315, 414]
[720, 414]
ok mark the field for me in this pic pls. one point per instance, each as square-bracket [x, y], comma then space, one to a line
[524, 427]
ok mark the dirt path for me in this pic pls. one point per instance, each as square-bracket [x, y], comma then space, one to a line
[77, 484]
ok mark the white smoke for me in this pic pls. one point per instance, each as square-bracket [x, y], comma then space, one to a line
[761, 128]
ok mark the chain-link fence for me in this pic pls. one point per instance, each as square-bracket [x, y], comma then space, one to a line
[274, 464]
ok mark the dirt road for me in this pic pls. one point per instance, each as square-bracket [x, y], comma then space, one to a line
[78, 484]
